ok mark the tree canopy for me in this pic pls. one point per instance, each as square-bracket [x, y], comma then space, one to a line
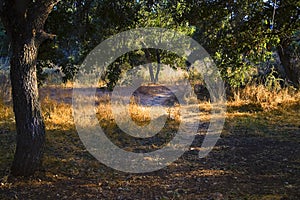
[242, 37]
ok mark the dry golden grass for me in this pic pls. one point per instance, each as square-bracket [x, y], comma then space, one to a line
[268, 99]
[7, 118]
[57, 115]
[251, 99]
[139, 114]
[6, 111]
[252, 107]
[67, 162]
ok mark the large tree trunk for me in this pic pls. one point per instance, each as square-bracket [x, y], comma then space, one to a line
[286, 57]
[29, 122]
[24, 22]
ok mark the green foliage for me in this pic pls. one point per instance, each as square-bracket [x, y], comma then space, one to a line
[115, 70]
[83, 25]
[236, 34]
[167, 15]
[272, 82]
[158, 14]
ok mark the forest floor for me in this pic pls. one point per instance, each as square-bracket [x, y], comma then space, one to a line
[257, 157]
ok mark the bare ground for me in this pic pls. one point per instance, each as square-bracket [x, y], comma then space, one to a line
[257, 157]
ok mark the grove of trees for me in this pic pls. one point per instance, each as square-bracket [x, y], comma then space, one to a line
[241, 36]
[244, 37]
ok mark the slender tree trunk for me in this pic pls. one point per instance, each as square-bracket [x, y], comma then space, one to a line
[29, 122]
[158, 65]
[148, 58]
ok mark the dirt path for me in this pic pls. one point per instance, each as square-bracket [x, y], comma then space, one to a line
[145, 95]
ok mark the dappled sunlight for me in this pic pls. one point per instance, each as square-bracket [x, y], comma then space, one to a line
[267, 99]
[158, 100]
[57, 115]
[249, 127]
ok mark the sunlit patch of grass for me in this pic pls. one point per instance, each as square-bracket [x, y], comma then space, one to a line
[7, 117]
[268, 99]
[137, 113]
[140, 116]
[57, 115]
[255, 111]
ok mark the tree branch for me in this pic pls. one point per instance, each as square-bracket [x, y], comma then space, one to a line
[40, 11]
[41, 36]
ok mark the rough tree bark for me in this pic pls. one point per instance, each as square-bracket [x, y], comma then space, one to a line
[285, 55]
[24, 22]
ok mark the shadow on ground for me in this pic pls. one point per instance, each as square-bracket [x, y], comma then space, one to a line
[257, 157]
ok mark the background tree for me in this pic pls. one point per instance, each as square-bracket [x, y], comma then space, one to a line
[24, 23]
[163, 14]
[243, 36]
[151, 14]
[287, 27]
[83, 25]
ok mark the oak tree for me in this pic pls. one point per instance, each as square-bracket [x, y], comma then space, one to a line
[24, 23]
